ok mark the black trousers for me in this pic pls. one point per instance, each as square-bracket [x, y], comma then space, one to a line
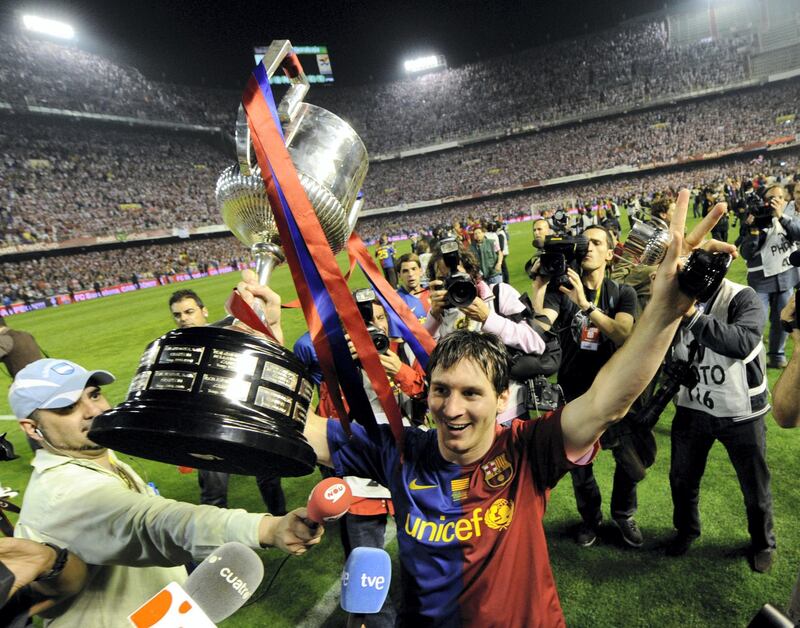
[213, 487]
[746, 444]
[214, 490]
[588, 498]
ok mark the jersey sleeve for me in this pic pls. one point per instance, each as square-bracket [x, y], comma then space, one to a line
[627, 300]
[358, 454]
[545, 445]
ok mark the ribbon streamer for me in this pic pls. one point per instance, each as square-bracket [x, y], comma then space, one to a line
[321, 287]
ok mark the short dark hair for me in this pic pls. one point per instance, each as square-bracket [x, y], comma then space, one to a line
[406, 258]
[484, 349]
[468, 260]
[180, 295]
[660, 206]
[610, 240]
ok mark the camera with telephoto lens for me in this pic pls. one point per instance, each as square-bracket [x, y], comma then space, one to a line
[756, 206]
[560, 253]
[677, 373]
[461, 290]
[365, 297]
[543, 396]
[559, 221]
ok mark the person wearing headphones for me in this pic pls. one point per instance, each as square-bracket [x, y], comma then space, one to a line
[83, 498]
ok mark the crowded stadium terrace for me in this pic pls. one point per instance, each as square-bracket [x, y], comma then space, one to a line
[634, 103]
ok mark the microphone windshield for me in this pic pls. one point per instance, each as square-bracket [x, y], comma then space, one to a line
[794, 258]
[329, 500]
[366, 578]
[224, 581]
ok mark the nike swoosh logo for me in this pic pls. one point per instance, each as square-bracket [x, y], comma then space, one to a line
[419, 487]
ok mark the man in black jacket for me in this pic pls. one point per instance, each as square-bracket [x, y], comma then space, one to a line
[728, 404]
[594, 317]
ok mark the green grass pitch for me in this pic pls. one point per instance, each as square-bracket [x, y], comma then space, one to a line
[605, 585]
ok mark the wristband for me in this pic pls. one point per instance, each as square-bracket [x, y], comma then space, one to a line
[62, 554]
[588, 311]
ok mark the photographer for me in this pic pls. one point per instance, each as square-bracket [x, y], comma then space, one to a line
[774, 230]
[460, 299]
[594, 315]
[727, 402]
[489, 254]
[541, 229]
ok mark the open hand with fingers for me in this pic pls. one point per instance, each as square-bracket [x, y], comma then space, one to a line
[669, 300]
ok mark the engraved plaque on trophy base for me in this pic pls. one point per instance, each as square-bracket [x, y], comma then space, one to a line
[215, 399]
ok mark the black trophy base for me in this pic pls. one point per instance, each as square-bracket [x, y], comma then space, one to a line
[180, 436]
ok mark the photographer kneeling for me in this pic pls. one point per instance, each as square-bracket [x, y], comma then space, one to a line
[460, 299]
[774, 230]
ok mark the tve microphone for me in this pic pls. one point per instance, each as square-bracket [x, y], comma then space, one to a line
[794, 258]
[219, 587]
[329, 500]
[366, 577]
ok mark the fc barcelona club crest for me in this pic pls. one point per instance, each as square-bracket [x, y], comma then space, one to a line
[498, 472]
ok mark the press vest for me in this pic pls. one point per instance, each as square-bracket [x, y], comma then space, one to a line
[722, 390]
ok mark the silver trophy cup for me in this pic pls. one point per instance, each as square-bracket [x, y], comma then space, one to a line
[331, 162]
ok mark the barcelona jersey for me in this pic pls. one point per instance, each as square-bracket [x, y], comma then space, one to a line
[471, 540]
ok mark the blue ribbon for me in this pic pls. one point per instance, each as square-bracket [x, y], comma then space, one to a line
[348, 375]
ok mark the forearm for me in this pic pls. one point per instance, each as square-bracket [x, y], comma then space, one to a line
[615, 330]
[516, 335]
[792, 227]
[737, 339]
[786, 394]
[410, 381]
[619, 382]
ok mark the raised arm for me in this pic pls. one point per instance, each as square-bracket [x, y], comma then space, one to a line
[786, 394]
[627, 373]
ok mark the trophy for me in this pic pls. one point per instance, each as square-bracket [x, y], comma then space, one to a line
[330, 159]
[218, 398]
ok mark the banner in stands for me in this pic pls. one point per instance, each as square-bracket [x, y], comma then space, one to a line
[87, 295]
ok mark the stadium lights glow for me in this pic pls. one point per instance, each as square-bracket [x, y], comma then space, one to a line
[37, 24]
[422, 64]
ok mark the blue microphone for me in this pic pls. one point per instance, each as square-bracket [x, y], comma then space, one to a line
[366, 577]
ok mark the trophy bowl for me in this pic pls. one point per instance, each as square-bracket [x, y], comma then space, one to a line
[216, 399]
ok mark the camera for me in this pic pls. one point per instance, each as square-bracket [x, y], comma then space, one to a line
[677, 373]
[560, 253]
[365, 297]
[543, 396]
[754, 204]
[461, 290]
[559, 220]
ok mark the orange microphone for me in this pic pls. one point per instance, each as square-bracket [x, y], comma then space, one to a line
[329, 500]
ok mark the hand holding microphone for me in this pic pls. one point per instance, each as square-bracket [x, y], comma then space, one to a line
[301, 528]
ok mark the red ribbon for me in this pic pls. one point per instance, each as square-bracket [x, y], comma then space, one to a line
[272, 155]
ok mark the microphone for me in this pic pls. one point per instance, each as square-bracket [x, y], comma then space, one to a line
[219, 587]
[329, 500]
[794, 258]
[366, 577]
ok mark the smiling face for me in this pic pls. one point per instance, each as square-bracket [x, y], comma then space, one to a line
[464, 404]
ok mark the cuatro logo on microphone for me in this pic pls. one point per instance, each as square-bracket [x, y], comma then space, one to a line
[239, 585]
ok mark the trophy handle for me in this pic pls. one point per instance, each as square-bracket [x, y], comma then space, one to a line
[279, 54]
